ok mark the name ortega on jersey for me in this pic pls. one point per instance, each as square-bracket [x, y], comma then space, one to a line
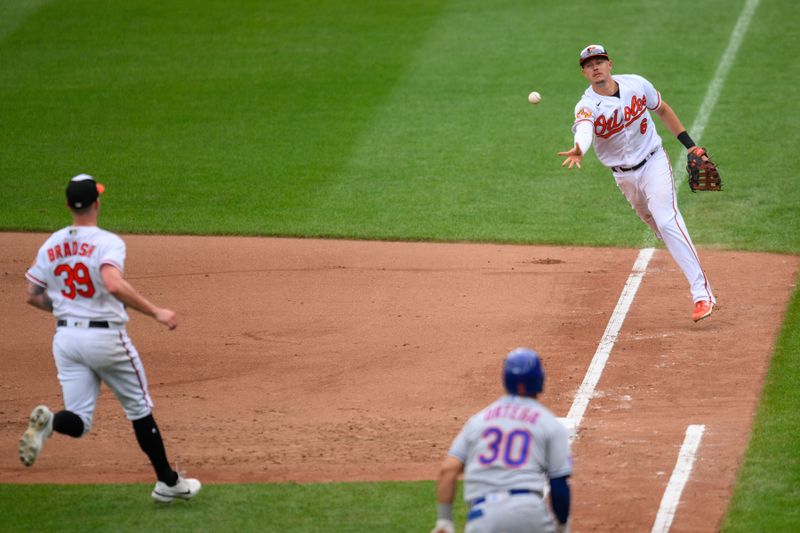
[606, 127]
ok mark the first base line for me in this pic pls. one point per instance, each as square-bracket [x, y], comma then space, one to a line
[586, 390]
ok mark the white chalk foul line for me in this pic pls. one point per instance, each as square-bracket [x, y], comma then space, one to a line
[586, 390]
[672, 494]
[693, 433]
[723, 68]
[714, 89]
[683, 467]
[721, 74]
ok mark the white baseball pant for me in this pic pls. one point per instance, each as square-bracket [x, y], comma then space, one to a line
[86, 356]
[651, 192]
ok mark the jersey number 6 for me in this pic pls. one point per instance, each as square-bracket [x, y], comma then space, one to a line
[77, 281]
[514, 446]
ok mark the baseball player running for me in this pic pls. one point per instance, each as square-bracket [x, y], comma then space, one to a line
[78, 277]
[507, 452]
[614, 112]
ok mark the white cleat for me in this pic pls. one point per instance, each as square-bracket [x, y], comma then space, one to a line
[184, 489]
[40, 427]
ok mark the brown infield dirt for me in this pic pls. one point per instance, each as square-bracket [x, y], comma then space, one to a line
[301, 360]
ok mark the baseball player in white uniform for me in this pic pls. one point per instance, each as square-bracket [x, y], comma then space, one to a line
[508, 452]
[78, 276]
[614, 112]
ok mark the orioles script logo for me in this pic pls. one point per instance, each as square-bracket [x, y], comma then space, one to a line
[606, 127]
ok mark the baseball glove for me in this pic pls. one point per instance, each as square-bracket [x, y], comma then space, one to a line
[703, 173]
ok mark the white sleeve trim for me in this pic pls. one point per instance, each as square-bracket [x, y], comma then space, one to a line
[112, 263]
[35, 280]
[658, 104]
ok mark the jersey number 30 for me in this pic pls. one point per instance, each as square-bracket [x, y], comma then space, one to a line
[513, 447]
[77, 281]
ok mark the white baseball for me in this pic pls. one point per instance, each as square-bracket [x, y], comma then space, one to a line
[534, 97]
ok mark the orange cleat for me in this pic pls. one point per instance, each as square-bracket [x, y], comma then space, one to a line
[702, 309]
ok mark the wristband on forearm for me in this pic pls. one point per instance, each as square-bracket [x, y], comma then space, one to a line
[444, 511]
[685, 140]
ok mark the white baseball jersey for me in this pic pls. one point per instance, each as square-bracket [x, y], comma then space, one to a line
[625, 140]
[514, 443]
[68, 267]
[624, 134]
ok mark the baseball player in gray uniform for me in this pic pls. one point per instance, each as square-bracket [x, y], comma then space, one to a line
[614, 113]
[508, 452]
[77, 275]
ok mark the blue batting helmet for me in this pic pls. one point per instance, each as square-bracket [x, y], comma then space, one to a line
[523, 365]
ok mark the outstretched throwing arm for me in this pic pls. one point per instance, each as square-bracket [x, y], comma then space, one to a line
[583, 139]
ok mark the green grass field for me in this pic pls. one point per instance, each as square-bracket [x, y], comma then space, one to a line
[386, 120]
[262, 507]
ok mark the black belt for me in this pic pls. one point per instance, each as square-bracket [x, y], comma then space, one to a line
[92, 323]
[634, 167]
[512, 492]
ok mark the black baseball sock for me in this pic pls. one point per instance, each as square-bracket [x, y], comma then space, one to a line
[68, 423]
[149, 439]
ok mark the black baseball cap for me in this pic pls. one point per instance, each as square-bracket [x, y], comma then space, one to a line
[593, 50]
[83, 191]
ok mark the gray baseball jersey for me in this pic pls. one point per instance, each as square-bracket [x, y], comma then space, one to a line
[514, 443]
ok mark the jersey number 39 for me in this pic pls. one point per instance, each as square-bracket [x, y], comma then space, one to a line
[77, 281]
[512, 447]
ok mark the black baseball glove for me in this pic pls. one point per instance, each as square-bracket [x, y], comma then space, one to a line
[703, 173]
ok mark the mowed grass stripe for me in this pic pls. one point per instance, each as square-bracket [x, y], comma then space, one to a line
[447, 157]
[456, 152]
[200, 118]
[752, 135]
[239, 122]
[14, 15]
